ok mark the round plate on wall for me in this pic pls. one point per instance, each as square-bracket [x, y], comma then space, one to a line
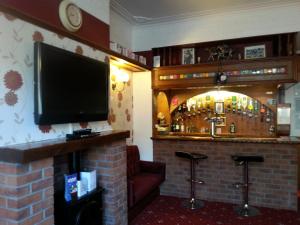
[70, 15]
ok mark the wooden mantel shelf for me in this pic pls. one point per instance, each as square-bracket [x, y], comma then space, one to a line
[24, 153]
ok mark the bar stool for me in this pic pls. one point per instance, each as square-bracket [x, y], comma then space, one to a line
[192, 203]
[245, 209]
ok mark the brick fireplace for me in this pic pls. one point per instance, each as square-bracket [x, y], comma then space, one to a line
[27, 178]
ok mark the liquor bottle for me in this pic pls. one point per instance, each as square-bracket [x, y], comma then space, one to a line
[203, 109]
[207, 98]
[194, 113]
[179, 109]
[256, 107]
[198, 106]
[233, 98]
[172, 127]
[208, 110]
[232, 128]
[239, 106]
[182, 127]
[177, 128]
[250, 108]
[184, 108]
[228, 105]
[271, 115]
[244, 105]
[268, 116]
[189, 125]
[262, 112]
[228, 108]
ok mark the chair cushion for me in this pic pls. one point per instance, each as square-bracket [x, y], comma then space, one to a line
[133, 160]
[144, 183]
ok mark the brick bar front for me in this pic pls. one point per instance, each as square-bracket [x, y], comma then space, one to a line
[27, 188]
[273, 182]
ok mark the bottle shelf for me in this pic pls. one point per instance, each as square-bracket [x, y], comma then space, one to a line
[235, 114]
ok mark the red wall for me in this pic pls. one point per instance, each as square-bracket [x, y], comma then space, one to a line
[44, 13]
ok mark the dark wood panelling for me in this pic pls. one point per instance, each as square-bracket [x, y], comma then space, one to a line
[276, 45]
[288, 62]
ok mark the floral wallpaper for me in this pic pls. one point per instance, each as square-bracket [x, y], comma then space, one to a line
[121, 104]
[16, 85]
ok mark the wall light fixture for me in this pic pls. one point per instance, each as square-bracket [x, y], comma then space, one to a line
[119, 78]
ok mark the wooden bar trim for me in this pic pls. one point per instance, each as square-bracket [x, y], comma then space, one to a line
[285, 140]
[289, 62]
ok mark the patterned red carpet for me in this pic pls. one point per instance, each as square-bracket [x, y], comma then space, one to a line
[168, 211]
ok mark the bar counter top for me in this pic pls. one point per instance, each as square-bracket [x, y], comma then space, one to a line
[264, 140]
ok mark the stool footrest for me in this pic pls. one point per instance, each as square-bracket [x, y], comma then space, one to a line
[196, 181]
[238, 185]
[241, 185]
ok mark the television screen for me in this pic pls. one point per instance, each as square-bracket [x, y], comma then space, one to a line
[68, 87]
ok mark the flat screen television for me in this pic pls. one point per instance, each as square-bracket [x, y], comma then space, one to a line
[68, 87]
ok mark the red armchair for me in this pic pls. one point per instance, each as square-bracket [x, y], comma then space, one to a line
[143, 180]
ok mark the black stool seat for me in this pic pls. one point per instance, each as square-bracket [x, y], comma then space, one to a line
[247, 158]
[189, 155]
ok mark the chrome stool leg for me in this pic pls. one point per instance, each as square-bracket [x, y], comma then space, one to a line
[193, 203]
[246, 210]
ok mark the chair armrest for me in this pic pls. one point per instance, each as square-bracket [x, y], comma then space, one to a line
[130, 191]
[153, 167]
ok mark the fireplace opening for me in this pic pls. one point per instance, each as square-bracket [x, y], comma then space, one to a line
[86, 210]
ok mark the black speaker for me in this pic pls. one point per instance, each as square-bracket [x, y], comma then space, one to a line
[84, 211]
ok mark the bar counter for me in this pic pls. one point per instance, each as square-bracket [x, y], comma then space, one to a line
[267, 140]
[274, 181]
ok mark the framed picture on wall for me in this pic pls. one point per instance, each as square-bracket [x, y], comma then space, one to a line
[156, 61]
[255, 52]
[188, 56]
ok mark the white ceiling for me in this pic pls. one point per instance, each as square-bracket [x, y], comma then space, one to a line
[154, 11]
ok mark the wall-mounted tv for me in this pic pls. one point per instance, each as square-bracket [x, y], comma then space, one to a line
[68, 87]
